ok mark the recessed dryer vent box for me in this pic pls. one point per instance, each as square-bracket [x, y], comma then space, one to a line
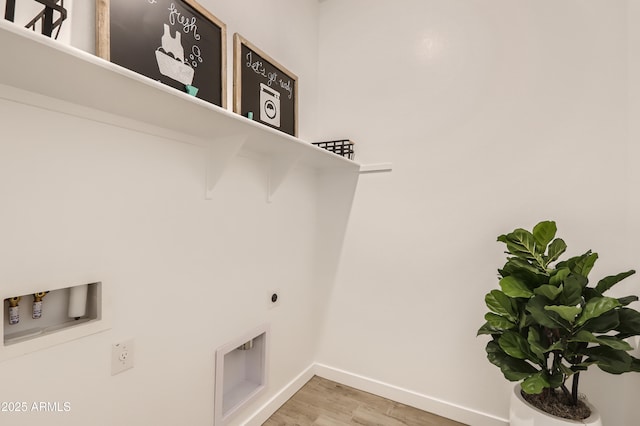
[241, 373]
[47, 317]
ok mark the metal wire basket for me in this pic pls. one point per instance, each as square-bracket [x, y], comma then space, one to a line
[343, 147]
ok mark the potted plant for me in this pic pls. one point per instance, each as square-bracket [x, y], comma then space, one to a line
[547, 326]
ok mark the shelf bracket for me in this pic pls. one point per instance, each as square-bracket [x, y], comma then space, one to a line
[279, 167]
[220, 153]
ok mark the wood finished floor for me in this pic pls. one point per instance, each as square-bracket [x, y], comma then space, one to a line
[322, 402]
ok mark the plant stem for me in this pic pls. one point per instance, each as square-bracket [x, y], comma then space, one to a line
[566, 392]
[574, 389]
[576, 378]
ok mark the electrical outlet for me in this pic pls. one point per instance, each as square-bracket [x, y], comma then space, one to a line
[273, 298]
[121, 356]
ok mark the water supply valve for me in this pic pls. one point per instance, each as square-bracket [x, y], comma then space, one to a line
[14, 310]
[37, 304]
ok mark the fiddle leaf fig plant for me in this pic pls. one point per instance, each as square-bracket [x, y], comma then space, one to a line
[547, 324]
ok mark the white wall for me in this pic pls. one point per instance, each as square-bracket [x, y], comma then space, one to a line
[495, 115]
[633, 384]
[186, 275]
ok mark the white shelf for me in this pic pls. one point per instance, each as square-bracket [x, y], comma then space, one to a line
[38, 71]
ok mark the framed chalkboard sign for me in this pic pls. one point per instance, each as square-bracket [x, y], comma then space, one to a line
[263, 89]
[177, 42]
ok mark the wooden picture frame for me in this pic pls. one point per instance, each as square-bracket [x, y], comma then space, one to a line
[263, 88]
[176, 42]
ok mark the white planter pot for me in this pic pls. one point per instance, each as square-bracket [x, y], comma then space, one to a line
[523, 414]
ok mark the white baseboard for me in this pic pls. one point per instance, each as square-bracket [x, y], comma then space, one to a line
[278, 400]
[407, 397]
[385, 390]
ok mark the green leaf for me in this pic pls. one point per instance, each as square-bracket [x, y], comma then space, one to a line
[488, 329]
[525, 320]
[624, 301]
[544, 232]
[501, 304]
[525, 243]
[610, 360]
[585, 263]
[568, 313]
[513, 344]
[548, 291]
[565, 370]
[513, 287]
[559, 276]
[535, 383]
[604, 323]
[557, 346]
[521, 243]
[556, 379]
[524, 270]
[549, 319]
[610, 341]
[535, 344]
[629, 323]
[513, 369]
[608, 282]
[596, 307]
[614, 343]
[556, 248]
[498, 322]
[583, 336]
[589, 293]
[584, 366]
[572, 289]
[574, 350]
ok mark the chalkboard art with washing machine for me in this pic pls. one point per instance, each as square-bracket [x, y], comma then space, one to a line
[178, 43]
[263, 89]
